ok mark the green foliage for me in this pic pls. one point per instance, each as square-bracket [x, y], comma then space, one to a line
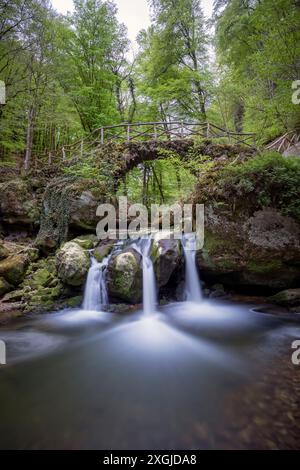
[258, 47]
[92, 46]
[172, 67]
[267, 180]
[166, 180]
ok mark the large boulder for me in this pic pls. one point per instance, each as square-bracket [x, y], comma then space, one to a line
[13, 268]
[166, 255]
[287, 298]
[18, 204]
[83, 211]
[124, 278]
[256, 253]
[69, 207]
[72, 263]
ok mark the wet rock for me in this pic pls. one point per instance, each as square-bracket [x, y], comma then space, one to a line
[286, 298]
[124, 278]
[103, 250]
[72, 263]
[122, 308]
[167, 259]
[217, 290]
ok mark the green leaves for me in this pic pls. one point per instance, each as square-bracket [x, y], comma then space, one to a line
[259, 45]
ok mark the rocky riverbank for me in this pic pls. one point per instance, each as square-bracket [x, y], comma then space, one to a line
[252, 237]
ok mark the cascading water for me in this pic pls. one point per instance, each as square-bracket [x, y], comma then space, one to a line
[143, 246]
[192, 282]
[95, 294]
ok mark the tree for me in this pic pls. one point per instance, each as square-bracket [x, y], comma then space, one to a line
[258, 44]
[173, 62]
[92, 48]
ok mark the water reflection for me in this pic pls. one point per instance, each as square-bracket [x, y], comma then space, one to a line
[116, 382]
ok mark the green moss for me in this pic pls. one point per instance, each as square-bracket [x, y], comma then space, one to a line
[41, 277]
[125, 273]
[290, 297]
[213, 243]
[102, 251]
[74, 302]
[263, 266]
[85, 244]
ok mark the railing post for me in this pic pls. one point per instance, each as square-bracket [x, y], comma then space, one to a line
[155, 132]
[50, 158]
[63, 154]
[128, 133]
[102, 136]
[182, 130]
[81, 148]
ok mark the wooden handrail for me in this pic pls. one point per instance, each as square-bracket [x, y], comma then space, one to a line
[160, 129]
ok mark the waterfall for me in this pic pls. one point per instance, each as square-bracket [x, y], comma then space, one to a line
[95, 294]
[143, 246]
[192, 282]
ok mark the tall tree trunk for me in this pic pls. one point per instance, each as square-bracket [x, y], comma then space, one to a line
[132, 107]
[29, 137]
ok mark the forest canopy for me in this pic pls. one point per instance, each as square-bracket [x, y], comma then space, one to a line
[66, 76]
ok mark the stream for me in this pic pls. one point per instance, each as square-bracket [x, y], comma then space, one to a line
[173, 378]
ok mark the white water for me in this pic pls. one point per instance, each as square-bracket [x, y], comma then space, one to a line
[143, 246]
[192, 282]
[95, 294]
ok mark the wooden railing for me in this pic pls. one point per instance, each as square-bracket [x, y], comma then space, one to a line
[151, 131]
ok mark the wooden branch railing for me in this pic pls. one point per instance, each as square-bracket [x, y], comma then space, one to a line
[151, 131]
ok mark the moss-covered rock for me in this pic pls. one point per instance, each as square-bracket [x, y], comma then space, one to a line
[13, 269]
[287, 298]
[87, 242]
[69, 206]
[14, 296]
[72, 263]
[124, 278]
[41, 288]
[166, 255]
[260, 252]
[103, 250]
[73, 302]
[18, 204]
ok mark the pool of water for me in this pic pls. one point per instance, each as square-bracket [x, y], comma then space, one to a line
[94, 380]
